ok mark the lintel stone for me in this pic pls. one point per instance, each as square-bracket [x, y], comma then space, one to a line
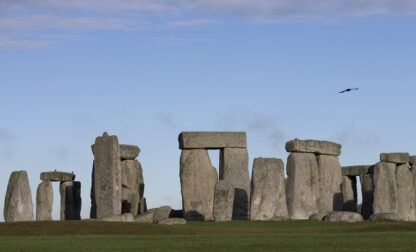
[357, 170]
[313, 146]
[398, 158]
[212, 140]
[129, 151]
[57, 176]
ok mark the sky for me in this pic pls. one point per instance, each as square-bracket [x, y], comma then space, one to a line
[147, 70]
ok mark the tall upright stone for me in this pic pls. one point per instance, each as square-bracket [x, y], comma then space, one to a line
[405, 194]
[330, 184]
[223, 201]
[349, 191]
[70, 200]
[302, 185]
[44, 201]
[268, 196]
[107, 176]
[18, 204]
[234, 171]
[198, 180]
[367, 190]
[385, 188]
[132, 186]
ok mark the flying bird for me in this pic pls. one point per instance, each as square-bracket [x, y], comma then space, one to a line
[348, 90]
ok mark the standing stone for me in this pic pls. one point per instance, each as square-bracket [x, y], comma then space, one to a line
[70, 200]
[367, 190]
[44, 200]
[302, 185]
[77, 200]
[349, 192]
[107, 176]
[142, 206]
[223, 201]
[405, 194]
[18, 204]
[385, 188]
[330, 184]
[268, 198]
[132, 186]
[198, 180]
[234, 171]
[413, 170]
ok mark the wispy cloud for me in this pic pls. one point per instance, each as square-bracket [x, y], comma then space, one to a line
[14, 44]
[187, 23]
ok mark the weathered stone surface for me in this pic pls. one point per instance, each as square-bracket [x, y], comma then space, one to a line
[132, 186]
[268, 196]
[127, 217]
[313, 146]
[107, 176]
[302, 185]
[161, 213]
[385, 188]
[349, 192]
[367, 190]
[405, 193]
[173, 221]
[146, 217]
[356, 170]
[223, 201]
[198, 180]
[176, 213]
[413, 171]
[318, 216]
[330, 184]
[412, 160]
[343, 216]
[44, 200]
[129, 151]
[212, 140]
[70, 200]
[57, 176]
[18, 204]
[384, 216]
[398, 158]
[142, 206]
[234, 171]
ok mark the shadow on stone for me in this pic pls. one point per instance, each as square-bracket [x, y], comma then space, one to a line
[194, 216]
[240, 206]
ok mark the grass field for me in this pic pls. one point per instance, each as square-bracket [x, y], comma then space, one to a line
[198, 236]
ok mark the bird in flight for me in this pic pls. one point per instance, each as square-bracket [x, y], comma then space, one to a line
[348, 90]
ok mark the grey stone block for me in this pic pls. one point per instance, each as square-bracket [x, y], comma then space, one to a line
[234, 171]
[349, 191]
[57, 176]
[384, 216]
[44, 200]
[161, 213]
[313, 146]
[198, 180]
[70, 200]
[146, 217]
[18, 205]
[268, 196]
[132, 186]
[129, 152]
[330, 184]
[385, 188]
[223, 201]
[356, 170]
[367, 192]
[398, 158]
[405, 193]
[142, 206]
[302, 185]
[107, 176]
[412, 160]
[127, 217]
[318, 216]
[343, 216]
[172, 221]
[212, 140]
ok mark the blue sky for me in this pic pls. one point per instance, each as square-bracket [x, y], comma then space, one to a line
[147, 70]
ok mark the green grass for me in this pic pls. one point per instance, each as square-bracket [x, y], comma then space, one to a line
[197, 236]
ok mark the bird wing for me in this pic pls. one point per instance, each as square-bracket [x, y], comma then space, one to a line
[343, 91]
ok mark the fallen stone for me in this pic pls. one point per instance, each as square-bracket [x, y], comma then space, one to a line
[18, 204]
[57, 176]
[398, 158]
[367, 192]
[223, 201]
[44, 200]
[384, 216]
[406, 210]
[198, 180]
[349, 192]
[343, 216]
[318, 216]
[385, 188]
[313, 146]
[107, 176]
[302, 185]
[129, 152]
[172, 221]
[212, 140]
[127, 217]
[330, 184]
[356, 170]
[268, 196]
[70, 200]
[234, 171]
[161, 213]
[146, 217]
